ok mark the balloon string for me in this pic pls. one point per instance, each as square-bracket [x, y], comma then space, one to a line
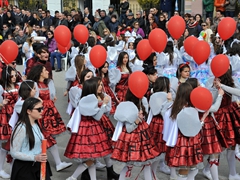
[4, 58]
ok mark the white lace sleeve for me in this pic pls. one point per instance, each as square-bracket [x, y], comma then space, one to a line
[233, 91]
[75, 95]
[16, 145]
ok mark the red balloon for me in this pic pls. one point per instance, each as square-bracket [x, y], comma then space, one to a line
[158, 39]
[189, 43]
[176, 26]
[62, 35]
[226, 28]
[201, 98]
[144, 49]
[8, 51]
[138, 83]
[98, 56]
[220, 65]
[62, 49]
[201, 52]
[81, 33]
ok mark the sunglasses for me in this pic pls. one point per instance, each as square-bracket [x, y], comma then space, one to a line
[39, 109]
[49, 34]
[13, 63]
[4, 27]
[204, 25]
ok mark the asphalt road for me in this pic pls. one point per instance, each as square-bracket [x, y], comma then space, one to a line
[62, 141]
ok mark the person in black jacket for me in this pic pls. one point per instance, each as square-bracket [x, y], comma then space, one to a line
[113, 25]
[139, 19]
[105, 18]
[87, 14]
[124, 7]
[61, 20]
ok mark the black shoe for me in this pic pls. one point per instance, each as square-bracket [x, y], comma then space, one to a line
[58, 70]
[111, 174]
[53, 68]
[85, 175]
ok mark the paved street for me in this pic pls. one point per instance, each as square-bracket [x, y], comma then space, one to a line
[62, 141]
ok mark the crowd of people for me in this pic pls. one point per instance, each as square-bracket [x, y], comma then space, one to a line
[147, 133]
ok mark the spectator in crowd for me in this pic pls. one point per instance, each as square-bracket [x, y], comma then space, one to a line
[220, 5]
[1, 19]
[209, 22]
[69, 20]
[61, 20]
[140, 19]
[11, 37]
[49, 15]
[217, 18]
[152, 11]
[36, 19]
[193, 27]
[105, 18]
[187, 17]
[138, 30]
[152, 24]
[113, 24]
[208, 6]
[27, 47]
[230, 8]
[162, 22]
[5, 31]
[166, 16]
[73, 12]
[87, 22]
[76, 20]
[166, 6]
[124, 5]
[20, 39]
[90, 16]
[55, 18]
[28, 18]
[198, 18]
[18, 17]
[111, 11]
[51, 42]
[46, 21]
[29, 31]
[129, 21]
[99, 25]
[58, 55]
[16, 30]
[206, 32]
[10, 20]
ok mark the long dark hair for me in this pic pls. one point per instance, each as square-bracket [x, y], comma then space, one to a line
[120, 61]
[83, 74]
[227, 79]
[193, 82]
[28, 104]
[6, 76]
[25, 89]
[162, 84]
[100, 73]
[49, 40]
[35, 73]
[149, 60]
[182, 99]
[169, 50]
[181, 67]
[90, 86]
[131, 97]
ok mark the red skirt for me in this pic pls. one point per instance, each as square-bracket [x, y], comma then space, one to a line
[210, 142]
[135, 147]
[223, 117]
[121, 91]
[91, 141]
[107, 127]
[235, 117]
[186, 152]
[51, 123]
[156, 129]
[5, 128]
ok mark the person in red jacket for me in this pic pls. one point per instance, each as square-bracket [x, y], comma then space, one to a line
[220, 5]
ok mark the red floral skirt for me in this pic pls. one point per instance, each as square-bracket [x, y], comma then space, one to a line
[107, 127]
[91, 141]
[156, 129]
[51, 123]
[235, 117]
[186, 152]
[210, 142]
[5, 128]
[135, 147]
[223, 117]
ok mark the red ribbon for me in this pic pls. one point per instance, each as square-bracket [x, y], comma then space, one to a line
[216, 162]
[128, 173]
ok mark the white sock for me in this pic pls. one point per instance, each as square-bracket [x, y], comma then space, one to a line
[11, 165]
[214, 169]
[173, 173]
[54, 151]
[192, 174]
[231, 162]
[79, 170]
[181, 178]
[154, 166]
[92, 172]
[147, 172]
[162, 160]
[108, 161]
[3, 154]
[123, 173]
[237, 153]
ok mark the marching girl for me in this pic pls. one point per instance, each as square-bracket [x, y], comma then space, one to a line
[183, 72]
[8, 98]
[183, 145]
[227, 117]
[211, 145]
[134, 146]
[51, 123]
[103, 73]
[161, 95]
[124, 69]
[92, 140]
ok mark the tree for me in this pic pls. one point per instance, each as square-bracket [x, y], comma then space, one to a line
[147, 4]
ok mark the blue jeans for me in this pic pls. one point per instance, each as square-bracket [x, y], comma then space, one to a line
[229, 13]
[58, 56]
[209, 14]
